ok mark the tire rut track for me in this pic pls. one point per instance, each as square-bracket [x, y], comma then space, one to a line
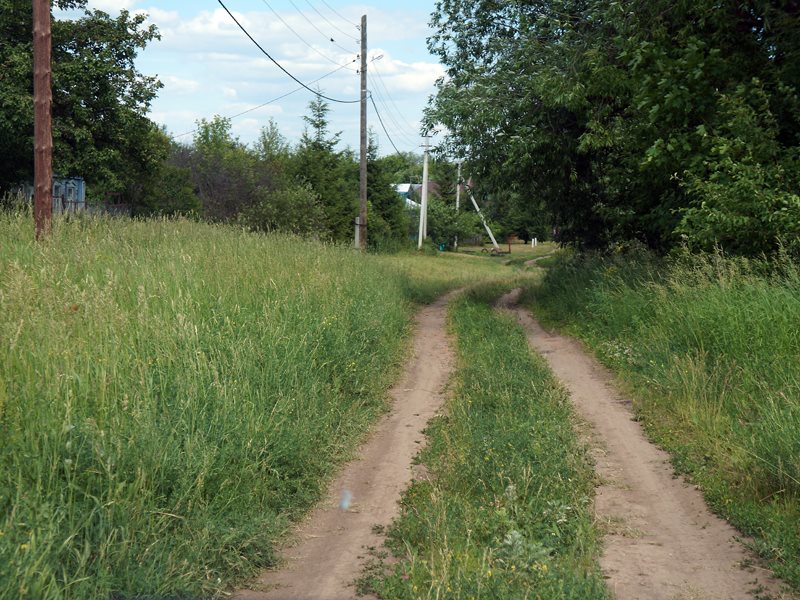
[329, 549]
[661, 542]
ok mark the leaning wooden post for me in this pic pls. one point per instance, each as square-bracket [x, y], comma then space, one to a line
[42, 126]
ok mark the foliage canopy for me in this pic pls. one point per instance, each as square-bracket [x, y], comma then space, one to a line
[658, 121]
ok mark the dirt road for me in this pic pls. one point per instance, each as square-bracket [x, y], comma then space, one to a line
[662, 542]
[330, 547]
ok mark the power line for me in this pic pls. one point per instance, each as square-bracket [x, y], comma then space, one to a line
[301, 38]
[277, 64]
[388, 94]
[390, 113]
[400, 128]
[281, 97]
[378, 114]
[322, 33]
[382, 100]
[328, 21]
[345, 19]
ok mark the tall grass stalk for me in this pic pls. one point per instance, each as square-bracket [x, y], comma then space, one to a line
[173, 395]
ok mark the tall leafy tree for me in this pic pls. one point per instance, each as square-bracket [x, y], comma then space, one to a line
[648, 120]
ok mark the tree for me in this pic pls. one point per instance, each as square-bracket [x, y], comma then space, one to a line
[616, 116]
[405, 167]
[332, 175]
[100, 100]
[388, 220]
[224, 172]
[445, 223]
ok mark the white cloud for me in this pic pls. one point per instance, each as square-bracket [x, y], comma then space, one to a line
[112, 6]
[266, 110]
[401, 77]
[180, 86]
[246, 127]
[212, 68]
[161, 18]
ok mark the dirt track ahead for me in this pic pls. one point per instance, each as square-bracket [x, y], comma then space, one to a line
[662, 542]
[329, 549]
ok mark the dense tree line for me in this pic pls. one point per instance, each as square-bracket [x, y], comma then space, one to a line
[662, 121]
[310, 189]
[102, 132]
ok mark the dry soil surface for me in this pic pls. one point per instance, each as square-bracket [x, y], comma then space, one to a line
[329, 549]
[661, 540]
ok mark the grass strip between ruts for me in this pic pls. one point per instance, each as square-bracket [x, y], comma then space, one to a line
[505, 511]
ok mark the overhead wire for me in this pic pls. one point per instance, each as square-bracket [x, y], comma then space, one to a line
[391, 115]
[331, 23]
[268, 102]
[343, 18]
[382, 84]
[398, 127]
[378, 114]
[302, 39]
[322, 33]
[280, 66]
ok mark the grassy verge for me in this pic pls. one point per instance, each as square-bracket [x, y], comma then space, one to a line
[505, 511]
[709, 348]
[173, 395]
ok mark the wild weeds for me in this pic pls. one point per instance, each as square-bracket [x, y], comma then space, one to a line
[172, 395]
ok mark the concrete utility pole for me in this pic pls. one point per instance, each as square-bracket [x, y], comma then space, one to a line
[458, 201]
[362, 211]
[423, 209]
[480, 214]
[42, 125]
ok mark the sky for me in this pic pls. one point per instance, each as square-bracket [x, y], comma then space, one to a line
[208, 66]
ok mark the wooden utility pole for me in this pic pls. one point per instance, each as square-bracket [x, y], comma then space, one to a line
[42, 126]
[362, 211]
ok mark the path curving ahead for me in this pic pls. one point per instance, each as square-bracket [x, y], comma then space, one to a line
[330, 547]
[662, 542]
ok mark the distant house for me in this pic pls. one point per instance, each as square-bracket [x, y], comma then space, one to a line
[406, 191]
[433, 190]
[69, 194]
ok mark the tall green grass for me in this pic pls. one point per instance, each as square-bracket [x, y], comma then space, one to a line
[710, 347]
[173, 395]
[505, 510]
